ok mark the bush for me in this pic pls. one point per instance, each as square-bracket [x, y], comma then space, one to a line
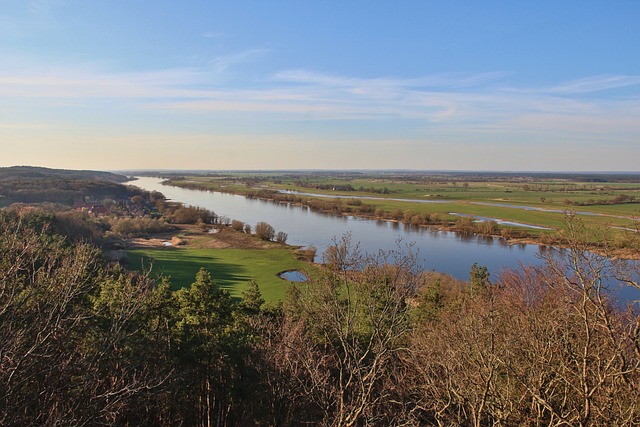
[417, 220]
[465, 225]
[237, 225]
[136, 227]
[191, 215]
[281, 237]
[265, 231]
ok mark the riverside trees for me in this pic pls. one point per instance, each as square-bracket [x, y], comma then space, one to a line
[539, 346]
[542, 346]
[369, 341]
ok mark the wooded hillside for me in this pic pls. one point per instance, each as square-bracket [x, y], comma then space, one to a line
[36, 185]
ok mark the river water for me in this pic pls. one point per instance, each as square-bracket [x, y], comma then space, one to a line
[442, 251]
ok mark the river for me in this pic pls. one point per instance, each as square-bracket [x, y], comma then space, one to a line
[443, 251]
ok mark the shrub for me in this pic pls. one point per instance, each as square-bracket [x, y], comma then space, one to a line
[265, 231]
[135, 227]
[281, 237]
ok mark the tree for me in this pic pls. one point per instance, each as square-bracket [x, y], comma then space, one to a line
[206, 340]
[70, 342]
[252, 298]
[544, 346]
[138, 200]
[347, 327]
[281, 237]
[430, 302]
[264, 231]
[478, 278]
[465, 225]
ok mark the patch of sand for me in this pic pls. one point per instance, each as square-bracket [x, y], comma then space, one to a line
[194, 237]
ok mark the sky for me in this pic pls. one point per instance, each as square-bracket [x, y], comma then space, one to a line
[507, 85]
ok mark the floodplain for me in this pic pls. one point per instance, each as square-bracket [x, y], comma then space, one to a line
[533, 206]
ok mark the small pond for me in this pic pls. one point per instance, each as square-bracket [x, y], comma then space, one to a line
[293, 276]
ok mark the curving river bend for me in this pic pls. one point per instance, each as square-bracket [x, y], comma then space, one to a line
[442, 251]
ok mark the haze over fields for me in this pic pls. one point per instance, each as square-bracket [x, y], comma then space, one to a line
[496, 85]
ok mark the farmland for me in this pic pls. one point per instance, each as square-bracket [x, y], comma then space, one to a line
[534, 205]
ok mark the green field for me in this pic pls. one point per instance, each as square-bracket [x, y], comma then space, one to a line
[231, 269]
[461, 193]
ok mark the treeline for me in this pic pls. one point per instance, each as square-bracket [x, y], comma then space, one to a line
[617, 200]
[368, 341]
[466, 225]
[37, 185]
[412, 217]
[33, 172]
[62, 191]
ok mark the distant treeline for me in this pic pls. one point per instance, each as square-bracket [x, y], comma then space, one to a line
[37, 185]
[40, 173]
[404, 175]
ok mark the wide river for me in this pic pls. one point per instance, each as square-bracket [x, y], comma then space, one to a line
[442, 251]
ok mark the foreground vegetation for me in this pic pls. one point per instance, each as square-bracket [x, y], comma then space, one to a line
[369, 341]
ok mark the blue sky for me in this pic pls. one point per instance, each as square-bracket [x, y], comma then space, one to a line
[461, 85]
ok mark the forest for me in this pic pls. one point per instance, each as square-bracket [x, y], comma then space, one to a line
[28, 184]
[368, 341]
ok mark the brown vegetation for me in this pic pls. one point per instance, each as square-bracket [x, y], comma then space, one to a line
[368, 341]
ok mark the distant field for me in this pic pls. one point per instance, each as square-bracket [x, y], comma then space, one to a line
[231, 269]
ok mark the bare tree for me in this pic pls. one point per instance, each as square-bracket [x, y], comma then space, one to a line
[542, 346]
[281, 237]
[264, 231]
[351, 323]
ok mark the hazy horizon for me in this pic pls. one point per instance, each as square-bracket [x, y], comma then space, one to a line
[362, 170]
[490, 86]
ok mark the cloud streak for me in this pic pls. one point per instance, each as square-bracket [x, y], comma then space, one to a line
[452, 102]
[588, 85]
[224, 62]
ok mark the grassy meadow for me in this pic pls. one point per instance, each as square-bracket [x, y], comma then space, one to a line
[231, 269]
[462, 194]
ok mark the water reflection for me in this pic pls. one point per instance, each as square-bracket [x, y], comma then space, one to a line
[465, 237]
[437, 250]
[294, 276]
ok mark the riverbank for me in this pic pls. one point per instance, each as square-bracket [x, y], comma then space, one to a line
[623, 245]
[434, 248]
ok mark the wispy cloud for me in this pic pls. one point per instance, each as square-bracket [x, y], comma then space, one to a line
[82, 84]
[440, 81]
[454, 102]
[224, 62]
[43, 7]
[586, 85]
[212, 35]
